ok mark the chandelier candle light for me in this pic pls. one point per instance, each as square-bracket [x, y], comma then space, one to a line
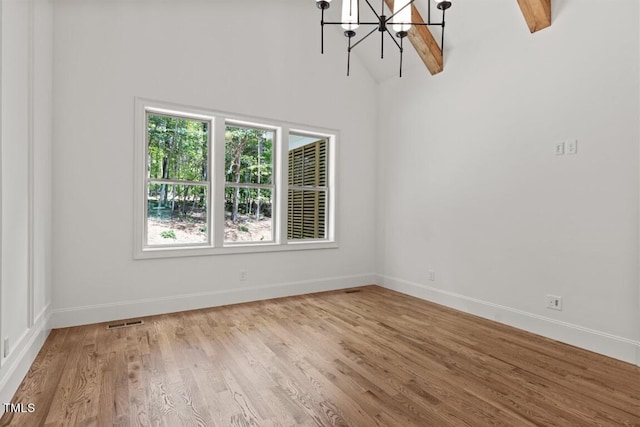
[400, 22]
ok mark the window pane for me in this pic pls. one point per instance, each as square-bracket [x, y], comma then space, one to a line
[176, 214]
[307, 161]
[248, 155]
[177, 148]
[248, 215]
[306, 214]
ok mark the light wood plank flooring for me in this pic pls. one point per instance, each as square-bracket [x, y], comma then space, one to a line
[368, 358]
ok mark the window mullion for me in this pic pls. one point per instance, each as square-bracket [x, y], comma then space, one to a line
[332, 177]
[175, 182]
[210, 182]
[250, 185]
[282, 184]
[218, 178]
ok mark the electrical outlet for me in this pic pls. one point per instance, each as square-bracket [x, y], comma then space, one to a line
[554, 302]
[7, 349]
[559, 148]
[243, 275]
[571, 146]
[432, 275]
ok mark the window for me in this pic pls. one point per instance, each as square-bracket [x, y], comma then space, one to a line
[214, 183]
[177, 184]
[307, 178]
[248, 184]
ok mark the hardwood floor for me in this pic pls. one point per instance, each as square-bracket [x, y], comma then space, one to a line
[366, 358]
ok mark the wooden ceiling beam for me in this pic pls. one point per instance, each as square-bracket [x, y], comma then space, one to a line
[423, 42]
[537, 13]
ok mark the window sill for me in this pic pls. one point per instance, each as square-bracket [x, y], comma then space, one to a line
[176, 252]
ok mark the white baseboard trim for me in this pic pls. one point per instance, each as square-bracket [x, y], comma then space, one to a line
[16, 366]
[74, 316]
[610, 345]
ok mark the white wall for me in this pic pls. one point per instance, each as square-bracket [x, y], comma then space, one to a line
[25, 282]
[256, 58]
[471, 189]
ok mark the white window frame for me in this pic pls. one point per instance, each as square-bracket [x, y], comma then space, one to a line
[216, 183]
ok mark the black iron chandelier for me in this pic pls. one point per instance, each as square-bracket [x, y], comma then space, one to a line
[399, 20]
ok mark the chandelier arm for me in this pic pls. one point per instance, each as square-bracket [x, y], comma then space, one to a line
[349, 57]
[401, 51]
[363, 38]
[393, 38]
[322, 33]
[442, 36]
[360, 23]
[373, 10]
